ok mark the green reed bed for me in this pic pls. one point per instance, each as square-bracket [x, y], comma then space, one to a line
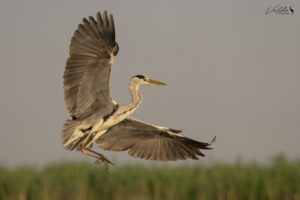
[79, 181]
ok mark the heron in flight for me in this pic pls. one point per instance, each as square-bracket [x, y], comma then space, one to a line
[96, 117]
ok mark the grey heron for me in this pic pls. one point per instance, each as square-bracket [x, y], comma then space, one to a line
[96, 117]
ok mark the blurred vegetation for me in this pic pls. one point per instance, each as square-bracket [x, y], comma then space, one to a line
[79, 181]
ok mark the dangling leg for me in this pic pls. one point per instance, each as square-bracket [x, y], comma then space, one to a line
[85, 140]
[83, 148]
[85, 144]
[100, 157]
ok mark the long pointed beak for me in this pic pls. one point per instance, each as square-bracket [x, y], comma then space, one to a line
[153, 82]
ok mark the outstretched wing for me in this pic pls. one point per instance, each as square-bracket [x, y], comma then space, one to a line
[151, 142]
[87, 73]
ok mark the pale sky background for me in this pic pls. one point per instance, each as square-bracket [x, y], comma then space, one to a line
[232, 71]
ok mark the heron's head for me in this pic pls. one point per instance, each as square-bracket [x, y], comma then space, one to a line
[143, 80]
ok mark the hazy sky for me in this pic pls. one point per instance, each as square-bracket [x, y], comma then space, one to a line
[232, 71]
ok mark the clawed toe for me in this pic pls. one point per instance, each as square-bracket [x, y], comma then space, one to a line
[105, 162]
[98, 162]
[100, 158]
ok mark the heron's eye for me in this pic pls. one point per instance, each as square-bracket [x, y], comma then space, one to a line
[140, 76]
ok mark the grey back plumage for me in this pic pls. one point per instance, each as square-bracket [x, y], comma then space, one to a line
[86, 76]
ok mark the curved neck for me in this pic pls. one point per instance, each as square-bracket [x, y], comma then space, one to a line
[136, 96]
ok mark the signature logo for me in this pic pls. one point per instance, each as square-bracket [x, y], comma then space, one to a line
[280, 10]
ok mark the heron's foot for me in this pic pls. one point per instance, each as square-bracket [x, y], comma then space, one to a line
[101, 159]
[104, 160]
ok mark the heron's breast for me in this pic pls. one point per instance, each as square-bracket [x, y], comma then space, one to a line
[117, 117]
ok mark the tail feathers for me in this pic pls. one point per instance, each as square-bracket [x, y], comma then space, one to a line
[71, 134]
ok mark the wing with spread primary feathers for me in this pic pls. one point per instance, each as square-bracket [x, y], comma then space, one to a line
[147, 141]
[87, 73]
